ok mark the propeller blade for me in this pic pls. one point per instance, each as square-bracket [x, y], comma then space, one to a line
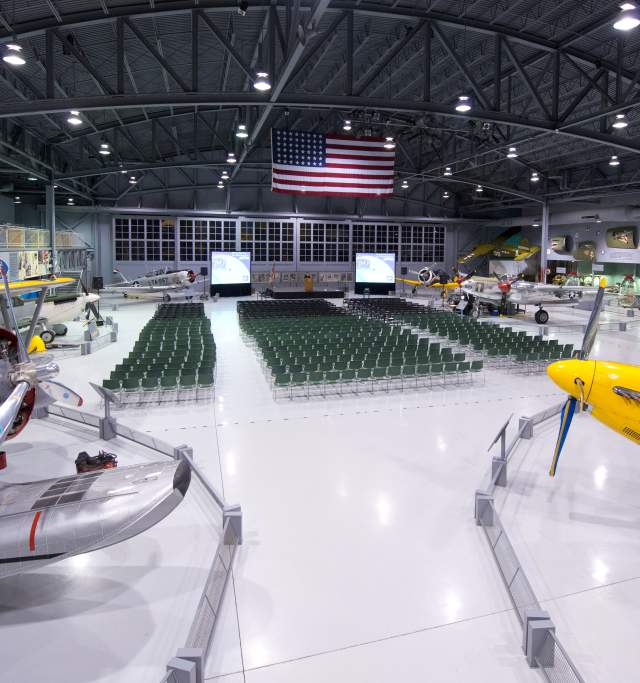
[60, 393]
[592, 326]
[11, 407]
[566, 416]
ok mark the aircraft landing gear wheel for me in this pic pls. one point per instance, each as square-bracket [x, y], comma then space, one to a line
[47, 336]
[541, 317]
[166, 298]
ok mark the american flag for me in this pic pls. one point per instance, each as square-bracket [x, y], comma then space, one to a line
[339, 165]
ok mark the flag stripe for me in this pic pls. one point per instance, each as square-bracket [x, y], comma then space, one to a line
[337, 182]
[333, 171]
[356, 153]
[311, 163]
[332, 192]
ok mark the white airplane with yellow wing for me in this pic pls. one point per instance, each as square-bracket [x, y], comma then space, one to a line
[610, 389]
[427, 277]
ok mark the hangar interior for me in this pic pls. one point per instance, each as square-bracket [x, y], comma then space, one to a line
[301, 301]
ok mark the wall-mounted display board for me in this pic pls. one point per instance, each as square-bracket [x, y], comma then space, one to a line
[561, 244]
[585, 251]
[621, 238]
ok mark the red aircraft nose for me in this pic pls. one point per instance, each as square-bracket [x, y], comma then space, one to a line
[504, 287]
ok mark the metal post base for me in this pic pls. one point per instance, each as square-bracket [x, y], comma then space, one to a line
[483, 509]
[233, 513]
[108, 428]
[499, 468]
[535, 641]
[526, 428]
[195, 655]
[182, 670]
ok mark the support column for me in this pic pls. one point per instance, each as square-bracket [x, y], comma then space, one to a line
[51, 225]
[544, 241]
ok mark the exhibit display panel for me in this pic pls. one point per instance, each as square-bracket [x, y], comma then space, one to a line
[231, 273]
[375, 272]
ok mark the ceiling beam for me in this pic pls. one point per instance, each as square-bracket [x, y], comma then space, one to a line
[144, 9]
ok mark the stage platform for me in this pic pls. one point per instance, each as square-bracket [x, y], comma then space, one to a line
[300, 294]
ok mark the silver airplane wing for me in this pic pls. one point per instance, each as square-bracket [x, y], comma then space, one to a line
[47, 521]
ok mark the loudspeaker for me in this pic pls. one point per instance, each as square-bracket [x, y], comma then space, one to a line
[403, 270]
[204, 270]
[97, 283]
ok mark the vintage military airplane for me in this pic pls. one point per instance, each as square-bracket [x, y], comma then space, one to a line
[160, 283]
[55, 312]
[429, 277]
[508, 245]
[612, 390]
[46, 521]
[510, 293]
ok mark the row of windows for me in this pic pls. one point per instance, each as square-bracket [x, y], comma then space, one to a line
[267, 240]
[154, 239]
[324, 242]
[144, 239]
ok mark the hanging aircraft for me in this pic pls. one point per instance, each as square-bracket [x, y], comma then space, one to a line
[46, 521]
[611, 389]
[159, 283]
[508, 245]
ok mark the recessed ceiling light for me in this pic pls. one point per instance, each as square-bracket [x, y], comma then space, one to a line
[464, 104]
[627, 19]
[262, 82]
[13, 55]
[620, 121]
[74, 118]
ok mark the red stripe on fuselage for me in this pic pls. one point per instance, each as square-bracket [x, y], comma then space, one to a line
[32, 534]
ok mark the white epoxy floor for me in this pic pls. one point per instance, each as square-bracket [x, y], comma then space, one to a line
[361, 559]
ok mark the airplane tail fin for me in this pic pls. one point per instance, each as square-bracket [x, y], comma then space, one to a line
[118, 278]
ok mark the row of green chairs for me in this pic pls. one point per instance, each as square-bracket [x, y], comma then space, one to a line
[308, 383]
[174, 358]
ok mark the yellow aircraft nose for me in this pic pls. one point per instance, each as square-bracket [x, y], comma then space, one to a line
[565, 373]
